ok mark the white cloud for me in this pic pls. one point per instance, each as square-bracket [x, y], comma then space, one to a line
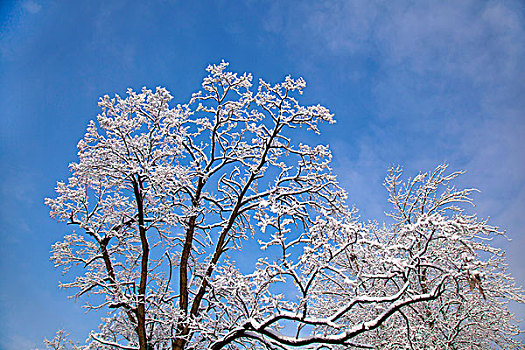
[31, 6]
[450, 76]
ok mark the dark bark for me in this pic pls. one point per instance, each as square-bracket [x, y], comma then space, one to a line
[141, 307]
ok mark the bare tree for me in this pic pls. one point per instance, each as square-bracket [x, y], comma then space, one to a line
[161, 195]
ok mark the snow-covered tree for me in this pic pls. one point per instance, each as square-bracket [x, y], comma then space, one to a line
[163, 198]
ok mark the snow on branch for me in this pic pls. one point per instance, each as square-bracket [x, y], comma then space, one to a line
[163, 198]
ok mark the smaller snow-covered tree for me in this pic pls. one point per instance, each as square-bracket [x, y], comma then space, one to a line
[161, 195]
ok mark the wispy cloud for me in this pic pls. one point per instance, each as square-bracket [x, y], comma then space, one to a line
[448, 76]
[17, 342]
[31, 6]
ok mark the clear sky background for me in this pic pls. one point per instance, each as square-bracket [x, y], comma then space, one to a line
[410, 83]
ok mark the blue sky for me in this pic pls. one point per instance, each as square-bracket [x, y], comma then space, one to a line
[410, 83]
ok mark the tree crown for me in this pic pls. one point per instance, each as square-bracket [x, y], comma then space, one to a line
[160, 194]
